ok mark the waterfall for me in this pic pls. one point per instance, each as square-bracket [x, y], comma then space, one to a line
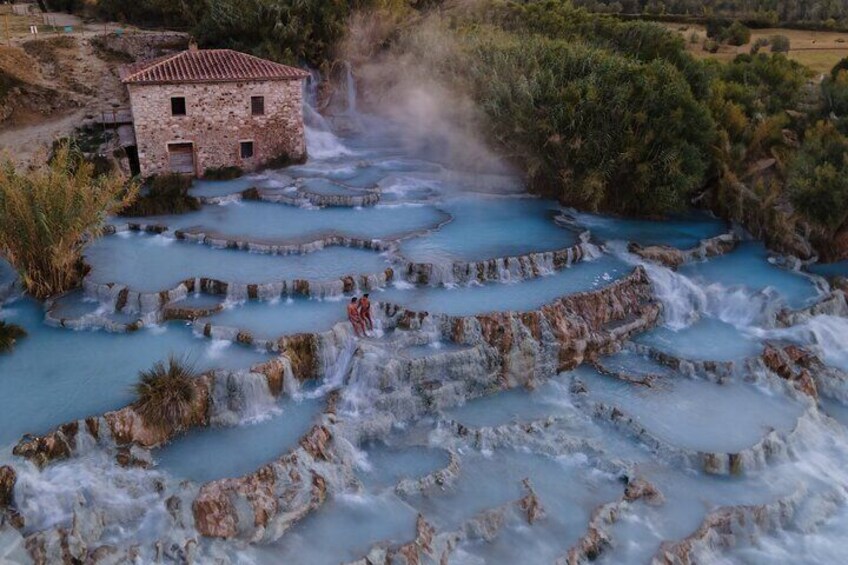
[826, 333]
[350, 91]
[241, 397]
[684, 300]
[321, 142]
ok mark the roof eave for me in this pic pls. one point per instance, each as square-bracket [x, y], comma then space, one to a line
[213, 81]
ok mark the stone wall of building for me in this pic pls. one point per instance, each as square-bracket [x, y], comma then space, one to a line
[218, 118]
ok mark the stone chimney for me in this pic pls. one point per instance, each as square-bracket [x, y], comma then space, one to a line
[192, 44]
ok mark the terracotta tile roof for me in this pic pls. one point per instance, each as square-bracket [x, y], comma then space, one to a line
[207, 65]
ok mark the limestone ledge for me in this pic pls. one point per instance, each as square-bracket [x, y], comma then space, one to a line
[293, 247]
[598, 537]
[219, 394]
[512, 349]
[433, 548]
[8, 509]
[775, 447]
[556, 337]
[438, 479]
[834, 304]
[130, 301]
[791, 369]
[728, 527]
[303, 196]
[501, 269]
[673, 257]
[263, 505]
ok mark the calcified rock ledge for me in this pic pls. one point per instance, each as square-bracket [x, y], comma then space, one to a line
[552, 436]
[263, 505]
[795, 370]
[303, 196]
[673, 258]
[732, 526]
[791, 370]
[775, 447]
[432, 547]
[834, 304]
[505, 349]
[505, 269]
[513, 349]
[439, 479]
[220, 396]
[502, 269]
[290, 247]
[598, 538]
[126, 300]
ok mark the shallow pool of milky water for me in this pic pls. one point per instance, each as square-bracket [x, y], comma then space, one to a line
[57, 375]
[714, 310]
[150, 263]
[519, 296]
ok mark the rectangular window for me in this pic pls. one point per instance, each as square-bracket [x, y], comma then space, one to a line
[178, 106]
[246, 149]
[257, 105]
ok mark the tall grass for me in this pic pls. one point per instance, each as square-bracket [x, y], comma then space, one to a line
[48, 213]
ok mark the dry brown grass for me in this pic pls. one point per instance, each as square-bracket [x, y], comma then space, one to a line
[819, 50]
[15, 62]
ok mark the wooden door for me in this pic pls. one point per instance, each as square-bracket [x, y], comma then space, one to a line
[181, 158]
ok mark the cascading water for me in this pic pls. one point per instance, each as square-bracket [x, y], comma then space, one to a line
[317, 445]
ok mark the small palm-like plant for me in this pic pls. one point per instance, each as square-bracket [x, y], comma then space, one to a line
[9, 334]
[166, 394]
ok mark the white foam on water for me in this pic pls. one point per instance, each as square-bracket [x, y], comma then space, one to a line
[325, 145]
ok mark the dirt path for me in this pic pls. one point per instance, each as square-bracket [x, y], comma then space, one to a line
[87, 82]
[24, 143]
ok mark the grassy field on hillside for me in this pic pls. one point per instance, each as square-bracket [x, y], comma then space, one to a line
[819, 50]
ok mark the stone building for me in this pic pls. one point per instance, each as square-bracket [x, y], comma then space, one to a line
[204, 109]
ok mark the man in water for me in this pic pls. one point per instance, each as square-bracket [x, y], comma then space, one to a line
[365, 312]
[354, 317]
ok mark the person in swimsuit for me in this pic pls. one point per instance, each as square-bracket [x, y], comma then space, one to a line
[354, 317]
[365, 312]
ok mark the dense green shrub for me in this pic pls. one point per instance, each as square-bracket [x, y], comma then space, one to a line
[779, 44]
[759, 44]
[835, 94]
[596, 129]
[223, 173]
[764, 84]
[165, 194]
[818, 178]
[711, 46]
[737, 34]
[291, 31]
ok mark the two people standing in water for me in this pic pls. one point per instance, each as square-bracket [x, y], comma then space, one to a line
[359, 314]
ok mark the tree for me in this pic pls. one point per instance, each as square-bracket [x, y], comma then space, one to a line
[596, 129]
[779, 44]
[48, 215]
[818, 178]
[738, 34]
